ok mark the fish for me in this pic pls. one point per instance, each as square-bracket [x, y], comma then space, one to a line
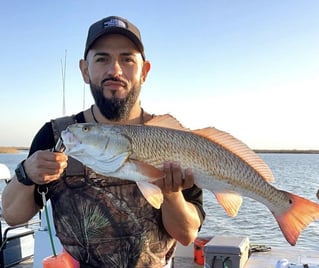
[221, 163]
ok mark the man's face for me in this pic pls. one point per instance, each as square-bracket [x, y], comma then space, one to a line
[115, 71]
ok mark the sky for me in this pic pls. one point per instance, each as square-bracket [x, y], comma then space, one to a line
[250, 68]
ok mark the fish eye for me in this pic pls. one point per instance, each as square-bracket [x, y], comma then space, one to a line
[85, 129]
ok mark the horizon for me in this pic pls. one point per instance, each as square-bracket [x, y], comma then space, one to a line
[17, 149]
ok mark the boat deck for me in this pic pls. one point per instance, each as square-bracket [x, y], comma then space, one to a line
[256, 260]
[264, 259]
[260, 256]
[25, 264]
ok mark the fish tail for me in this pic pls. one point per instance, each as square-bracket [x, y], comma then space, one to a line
[152, 193]
[297, 217]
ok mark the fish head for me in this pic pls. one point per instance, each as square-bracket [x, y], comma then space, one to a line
[90, 142]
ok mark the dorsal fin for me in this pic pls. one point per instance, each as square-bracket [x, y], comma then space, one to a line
[237, 147]
[166, 120]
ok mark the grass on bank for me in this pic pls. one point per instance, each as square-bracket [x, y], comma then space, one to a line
[11, 150]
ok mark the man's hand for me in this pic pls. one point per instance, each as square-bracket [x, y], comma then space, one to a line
[175, 180]
[43, 167]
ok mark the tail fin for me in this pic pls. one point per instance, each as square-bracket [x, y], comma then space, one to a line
[299, 215]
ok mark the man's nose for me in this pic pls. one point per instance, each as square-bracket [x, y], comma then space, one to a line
[115, 69]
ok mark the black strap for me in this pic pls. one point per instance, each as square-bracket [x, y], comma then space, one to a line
[60, 124]
[84, 265]
[74, 168]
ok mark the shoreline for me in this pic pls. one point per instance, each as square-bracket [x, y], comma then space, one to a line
[285, 151]
[12, 149]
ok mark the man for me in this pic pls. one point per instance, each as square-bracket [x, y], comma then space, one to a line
[103, 221]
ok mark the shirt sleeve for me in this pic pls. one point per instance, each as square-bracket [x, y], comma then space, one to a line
[194, 195]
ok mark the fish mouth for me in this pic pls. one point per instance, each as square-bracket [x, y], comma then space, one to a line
[69, 140]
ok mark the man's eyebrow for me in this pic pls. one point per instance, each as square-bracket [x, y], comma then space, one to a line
[129, 54]
[108, 54]
[101, 54]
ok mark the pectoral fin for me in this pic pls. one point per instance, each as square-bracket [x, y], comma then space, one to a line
[143, 174]
[145, 170]
[152, 193]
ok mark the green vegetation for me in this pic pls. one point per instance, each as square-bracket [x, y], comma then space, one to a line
[11, 150]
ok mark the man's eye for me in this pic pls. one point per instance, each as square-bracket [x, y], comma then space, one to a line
[100, 60]
[129, 59]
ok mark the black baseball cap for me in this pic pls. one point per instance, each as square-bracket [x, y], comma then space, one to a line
[114, 25]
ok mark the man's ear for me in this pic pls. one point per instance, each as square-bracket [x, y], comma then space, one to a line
[146, 68]
[84, 70]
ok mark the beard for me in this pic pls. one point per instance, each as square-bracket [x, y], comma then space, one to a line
[115, 109]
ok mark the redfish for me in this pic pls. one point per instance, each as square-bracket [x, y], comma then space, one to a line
[220, 163]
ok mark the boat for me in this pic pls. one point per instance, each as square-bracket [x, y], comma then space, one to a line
[26, 245]
[231, 255]
[16, 242]
[255, 256]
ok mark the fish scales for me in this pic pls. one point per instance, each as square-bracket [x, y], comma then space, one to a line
[155, 145]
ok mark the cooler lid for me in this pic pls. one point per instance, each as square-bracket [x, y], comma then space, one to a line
[226, 244]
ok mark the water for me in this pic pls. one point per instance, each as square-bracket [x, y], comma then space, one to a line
[11, 160]
[297, 173]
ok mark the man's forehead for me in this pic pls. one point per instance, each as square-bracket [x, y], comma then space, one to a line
[111, 51]
[97, 53]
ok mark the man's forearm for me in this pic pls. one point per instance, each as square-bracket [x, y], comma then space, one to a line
[180, 218]
[18, 205]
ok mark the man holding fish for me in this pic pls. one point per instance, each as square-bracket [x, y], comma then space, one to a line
[103, 220]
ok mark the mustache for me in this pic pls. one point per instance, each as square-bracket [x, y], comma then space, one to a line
[116, 79]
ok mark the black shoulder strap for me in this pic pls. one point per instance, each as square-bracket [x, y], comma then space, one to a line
[74, 168]
[60, 124]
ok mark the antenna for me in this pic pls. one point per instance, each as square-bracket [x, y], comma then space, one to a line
[63, 69]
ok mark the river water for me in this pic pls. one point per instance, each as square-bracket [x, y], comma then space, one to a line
[296, 173]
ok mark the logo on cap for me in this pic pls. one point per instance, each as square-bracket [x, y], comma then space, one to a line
[114, 23]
